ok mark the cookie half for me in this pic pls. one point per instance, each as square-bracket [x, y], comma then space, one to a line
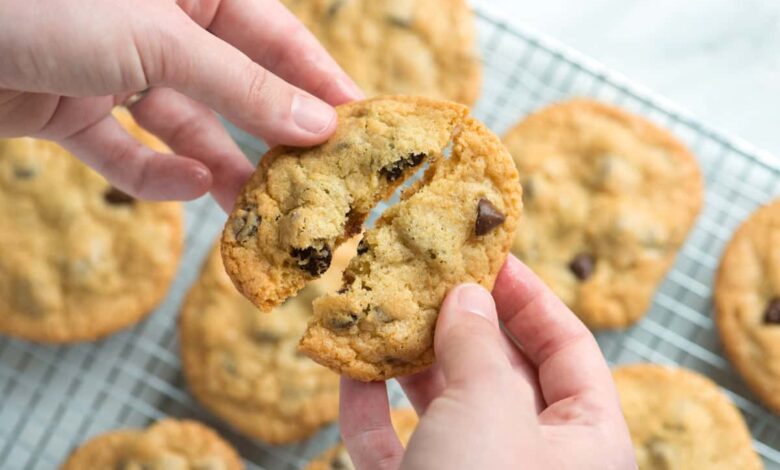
[78, 258]
[244, 365]
[608, 199]
[412, 47]
[336, 458]
[747, 300]
[680, 419]
[167, 444]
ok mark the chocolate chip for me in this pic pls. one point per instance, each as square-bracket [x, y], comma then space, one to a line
[772, 312]
[342, 321]
[24, 172]
[399, 22]
[313, 260]
[393, 171]
[362, 247]
[334, 8]
[582, 266]
[488, 217]
[529, 190]
[265, 337]
[118, 198]
[354, 223]
[245, 224]
[381, 315]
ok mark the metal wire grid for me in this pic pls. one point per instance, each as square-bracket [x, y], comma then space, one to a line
[56, 397]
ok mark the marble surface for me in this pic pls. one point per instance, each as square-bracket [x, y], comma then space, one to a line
[719, 59]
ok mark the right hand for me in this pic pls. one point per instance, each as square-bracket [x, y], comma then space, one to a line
[487, 403]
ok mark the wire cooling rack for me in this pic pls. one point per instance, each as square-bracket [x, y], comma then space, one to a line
[53, 398]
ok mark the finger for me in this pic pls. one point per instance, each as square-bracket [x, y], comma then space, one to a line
[469, 350]
[523, 367]
[202, 66]
[568, 359]
[366, 428]
[423, 387]
[135, 169]
[189, 128]
[274, 38]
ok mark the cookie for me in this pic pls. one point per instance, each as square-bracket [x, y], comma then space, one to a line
[454, 225]
[411, 47]
[336, 458]
[608, 199]
[244, 365]
[78, 258]
[680, 420]
[747, 301]
[167, 444]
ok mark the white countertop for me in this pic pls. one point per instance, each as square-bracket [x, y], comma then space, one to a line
[719, 59]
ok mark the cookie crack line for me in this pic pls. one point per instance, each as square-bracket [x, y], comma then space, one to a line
[454, 225]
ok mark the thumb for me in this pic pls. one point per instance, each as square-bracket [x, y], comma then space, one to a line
[198, 64]
[468, 341]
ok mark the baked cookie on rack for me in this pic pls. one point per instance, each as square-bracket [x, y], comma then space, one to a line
[454, 225]
[747, 301]
[608, 199]
[79, 259]
[412, 47]
[336, 458]
[167, 444]
[244, 364]
[680, 419]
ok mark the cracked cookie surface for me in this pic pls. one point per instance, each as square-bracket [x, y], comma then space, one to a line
[244, 365]
[303, 202]
[167, 444]
[308, 200]
[78, 258]
[336, 458]
[454, 225]
[680, 419]
[608, 200]
[747, 301]
[414, 47]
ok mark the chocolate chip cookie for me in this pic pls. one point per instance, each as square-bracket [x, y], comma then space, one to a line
[454, 225]
[679, 419]
[609, 199]
[415, 47]
[337, 458]
[244, 365]
[167, 444]
[747, 300]
[79, 259]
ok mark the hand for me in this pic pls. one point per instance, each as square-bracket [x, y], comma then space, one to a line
[487, 403]
[65, 64]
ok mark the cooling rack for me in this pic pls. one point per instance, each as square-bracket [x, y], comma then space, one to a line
[56, 397]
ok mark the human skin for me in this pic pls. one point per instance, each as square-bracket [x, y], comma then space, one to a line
[65, 64]
[487, 403]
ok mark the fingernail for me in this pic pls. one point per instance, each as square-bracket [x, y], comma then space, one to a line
[473, 298]
[311, 114]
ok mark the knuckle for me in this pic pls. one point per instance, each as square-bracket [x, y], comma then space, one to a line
[259, 85]
[187, 130]
[126, 157]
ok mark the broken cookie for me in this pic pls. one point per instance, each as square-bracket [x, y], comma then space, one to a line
[454, 225]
